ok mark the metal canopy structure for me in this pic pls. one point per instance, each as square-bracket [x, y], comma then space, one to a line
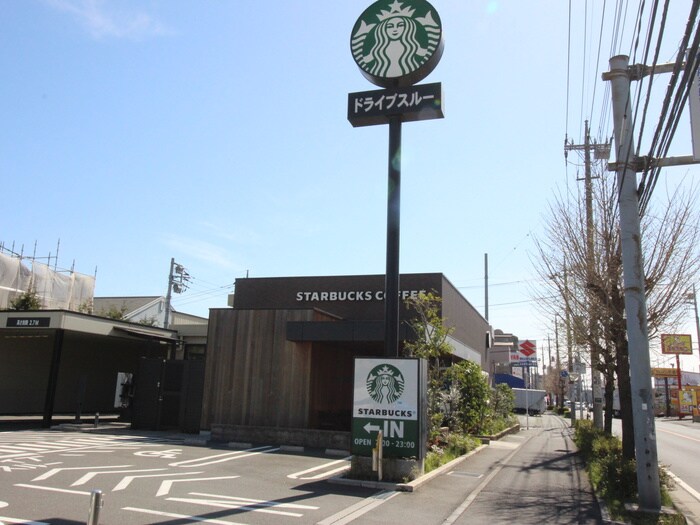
[58, 361]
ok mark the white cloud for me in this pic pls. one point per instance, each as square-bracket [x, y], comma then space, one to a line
[201, 250]
[106, 20]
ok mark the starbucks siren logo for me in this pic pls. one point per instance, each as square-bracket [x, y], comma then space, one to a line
[397, 43]
[385, 384]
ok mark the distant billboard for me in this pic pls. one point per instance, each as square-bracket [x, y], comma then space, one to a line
[676, 344]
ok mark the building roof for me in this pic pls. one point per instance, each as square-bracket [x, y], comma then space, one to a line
[103, 305]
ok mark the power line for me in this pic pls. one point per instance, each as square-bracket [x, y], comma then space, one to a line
[670, 114]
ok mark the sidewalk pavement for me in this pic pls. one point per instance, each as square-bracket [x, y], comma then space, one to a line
[531, 478]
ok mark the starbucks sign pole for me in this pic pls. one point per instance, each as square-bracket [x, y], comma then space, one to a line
[396, 44]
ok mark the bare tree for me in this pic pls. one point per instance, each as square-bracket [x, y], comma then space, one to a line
[594, 302]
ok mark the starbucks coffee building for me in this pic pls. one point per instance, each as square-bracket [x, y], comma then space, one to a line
[279, 364]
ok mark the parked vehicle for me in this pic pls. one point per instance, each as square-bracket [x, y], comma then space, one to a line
[528, 398]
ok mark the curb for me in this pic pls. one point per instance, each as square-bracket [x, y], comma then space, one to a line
[406, 487]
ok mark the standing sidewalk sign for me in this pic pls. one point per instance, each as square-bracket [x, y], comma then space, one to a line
[395, 43]
[387, 399]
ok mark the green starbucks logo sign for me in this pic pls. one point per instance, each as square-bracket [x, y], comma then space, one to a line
[397, 43]
[385, 384]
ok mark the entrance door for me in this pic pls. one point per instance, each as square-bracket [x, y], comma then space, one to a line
[169, 395]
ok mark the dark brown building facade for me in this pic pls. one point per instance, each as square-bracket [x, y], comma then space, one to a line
[282, 357]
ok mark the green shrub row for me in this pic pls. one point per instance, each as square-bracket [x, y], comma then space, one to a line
[614, 479]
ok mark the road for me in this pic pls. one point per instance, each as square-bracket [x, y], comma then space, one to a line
[48, 477]
[533, 477]
[678, 442]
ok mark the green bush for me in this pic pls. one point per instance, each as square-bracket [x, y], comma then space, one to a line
[453, 445]
[474, 396]
[610, 473]
[614, 479]
[585, 436]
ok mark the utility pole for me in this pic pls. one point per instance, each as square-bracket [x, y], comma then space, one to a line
[697, 320]
[569, 350]
[601, 151]
[560, 386]
[486, 285]
[177, 282]
[633, 272]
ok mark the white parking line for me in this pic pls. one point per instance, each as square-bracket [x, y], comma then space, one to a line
[53, 489]
[87, 477]
[20, 520]
[220, 458]
[181, 516]
[358, 509]
[168, 483]
[48, 474]
[254, 505]
[126, 481]
[299, 475]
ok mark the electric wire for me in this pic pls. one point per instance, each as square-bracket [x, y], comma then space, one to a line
[670, 115]
[647, 47]
[584, 62]
[600, 45]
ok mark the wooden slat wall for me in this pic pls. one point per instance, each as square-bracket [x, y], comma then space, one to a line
[254, 376]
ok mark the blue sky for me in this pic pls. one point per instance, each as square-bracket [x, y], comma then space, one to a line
[216, 133]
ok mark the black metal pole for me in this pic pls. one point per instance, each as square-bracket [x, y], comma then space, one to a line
[391, 287]
[52, 379]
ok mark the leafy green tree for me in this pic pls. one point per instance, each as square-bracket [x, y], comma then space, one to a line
[115, 313]
[432, 335]
[502, 401]
[431, 343]
[473, 410]
[26, 301]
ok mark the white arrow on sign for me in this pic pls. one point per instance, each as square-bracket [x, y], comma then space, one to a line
[369, 428]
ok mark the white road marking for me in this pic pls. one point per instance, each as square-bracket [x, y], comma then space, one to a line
[181, 516]
[167, 484]
[228, 456]
[128, 479]
[169, 454]
[20, 520]
[47, 475]
[299, 475]
[358, 509]
[677, 434]
[87, 477]
[53, 489]
[684, 485]
[261, 502]
[231, 505]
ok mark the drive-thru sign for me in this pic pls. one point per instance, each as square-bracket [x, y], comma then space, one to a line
[387, 399]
